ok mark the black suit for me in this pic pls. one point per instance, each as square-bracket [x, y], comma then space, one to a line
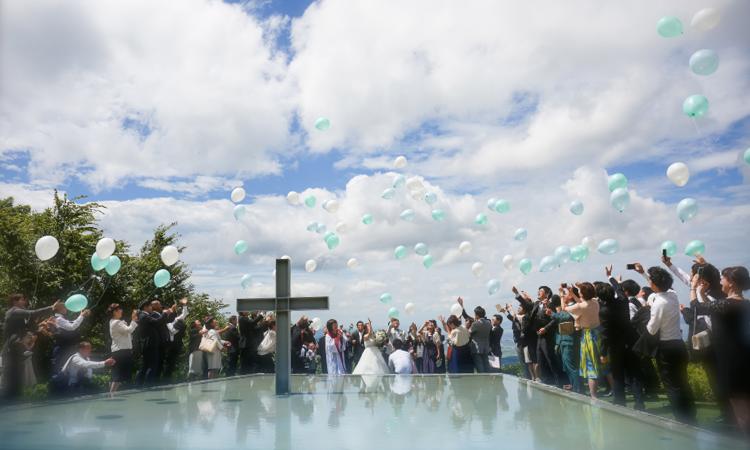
[541, 348]
[233, 337]
[16, 325]
[149, 329]
[322, 353]
[250, 337]
[358, 347]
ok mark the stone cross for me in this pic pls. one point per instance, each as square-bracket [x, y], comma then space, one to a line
[282, 304]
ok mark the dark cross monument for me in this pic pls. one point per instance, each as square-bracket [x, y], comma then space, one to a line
[282, 304]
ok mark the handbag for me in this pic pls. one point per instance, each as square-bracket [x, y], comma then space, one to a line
[702, 340]
[208, 345]
[566, 328]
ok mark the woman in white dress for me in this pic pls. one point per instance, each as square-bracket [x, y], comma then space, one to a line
[214, 357]
[371, 362]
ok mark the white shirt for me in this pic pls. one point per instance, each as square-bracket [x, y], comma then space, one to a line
[665, 316]
[268, 344]
[632, 308]
[78, 365]
[400, 362]
[68, 325]
[122, 334]
[170, 326]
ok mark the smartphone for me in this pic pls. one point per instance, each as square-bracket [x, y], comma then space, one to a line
[630, 266]
[664, 252]
[564, 285]
[575, 291]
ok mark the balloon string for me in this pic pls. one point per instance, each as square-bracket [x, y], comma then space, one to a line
[36, 285]
[106, 286]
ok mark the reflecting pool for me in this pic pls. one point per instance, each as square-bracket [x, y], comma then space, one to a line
[351, 412]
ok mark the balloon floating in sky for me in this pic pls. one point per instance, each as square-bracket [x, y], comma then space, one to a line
[169, 255]
[76, 302]
[312, 226]
[491, 203]
[464, 247]
[240, 247]
[493, 286]
[438, 215]
[97, 263]
[310, 201]
[481, 219]
[332, 240]
[430, 198]
[393, 313]
[399, 252]
[409, 308]
[562, 253]
[310, 265]
[388, 194]
[367, 219]
[525, 266]
[239, 212]
[520, 234]
[746, 156]
[695, 248]
[706, 19]
[341, 227]
[704, 62]
[399, 162]
[579, 253]
[477, 269]
[161, 278]
[399, 181]
[427, 261]
[293, 198]
[547, 263]
[105, 247]
[687, 209]
[695, 106]
[678, 173]
[46, 247]
[669, 27]
[508, 261]
[608, 247]
[322, 124]
[246, 281]
[237, 195]
[456, 310]
[320, 228]
[386, 298]
[421, 249]
[617, 181]
[113, 265]
[502, 206]
[588, 242]
[352, 263]
[619, 199]
[331, 206]
[670, 247]
[407, 215]
[576, 207]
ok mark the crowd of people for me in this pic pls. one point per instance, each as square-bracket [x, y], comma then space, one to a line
[584, 335]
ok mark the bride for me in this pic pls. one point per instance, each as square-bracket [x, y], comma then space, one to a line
[371, 362]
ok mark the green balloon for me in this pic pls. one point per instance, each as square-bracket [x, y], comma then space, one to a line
[240, 247]
[322, 124]
[393, 313]
[310, 201]
[502, 206]
[97, 263]
[113, 265]
[669, 27]
[332, 241]
[386, 298]
[695, 248]
[76, 302]
[746, 156]
[427, 261]
[579, 253]
[617, 181]
[439, 215]
[481, 219]
[525, 266]
[695, 106]
[670, 247]
[399, 252]
[161, 278]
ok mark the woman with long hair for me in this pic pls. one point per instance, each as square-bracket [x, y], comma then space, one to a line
[122, 345]
[459, 357]
[214, 356]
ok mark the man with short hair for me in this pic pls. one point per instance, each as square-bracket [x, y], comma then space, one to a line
[496, 335]
[77, 372]
[400, 361]
[66, 336]
[480, 337]
[357, 343]
[150, 324]
[394, 332]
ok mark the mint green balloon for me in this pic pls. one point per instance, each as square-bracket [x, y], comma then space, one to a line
[246, 281]
[427, 261]
[669, 27]
[393, 313]
[695, 106]
[76, 303]
[407, 215]
[695, 248]
[388, 194]
[502, 206]
[322, 124]
[430, 198]
[525, 266]
[398, 181]
[332, 240]
[240, 247]
[617, 181]
[579, 253]
[97, 263]
[367, 219]
[704, 62]
[386, 298]
[113, 265]
[421, 249]
[310, 201]
[439, 215]
[619, 199]
[161, 278]
[746, 156]
[399, 252]
[670, 247]
[481, 219]
[608, 247]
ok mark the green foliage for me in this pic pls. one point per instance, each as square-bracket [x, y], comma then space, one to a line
[699, 383]
[512, 369]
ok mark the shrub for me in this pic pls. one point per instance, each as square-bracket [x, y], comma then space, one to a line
[699, 383]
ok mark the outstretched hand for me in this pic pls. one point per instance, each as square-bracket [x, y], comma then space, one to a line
[666, 260]
[460, 301]
[638, 268]
[608, 270]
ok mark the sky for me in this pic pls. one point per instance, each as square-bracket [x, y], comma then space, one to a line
[158, 109]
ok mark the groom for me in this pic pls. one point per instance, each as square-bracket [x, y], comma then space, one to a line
[394, 333]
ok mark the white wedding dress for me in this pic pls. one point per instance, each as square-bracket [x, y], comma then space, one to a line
[371, 362]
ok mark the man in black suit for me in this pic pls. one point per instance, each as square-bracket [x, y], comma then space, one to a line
[232, 335]
[496, 335]
[322, 354]
[249, 326]
[358, 346]
[149, 327]
[301, 336]
[541, 347]
[164, 336]
[480, 337]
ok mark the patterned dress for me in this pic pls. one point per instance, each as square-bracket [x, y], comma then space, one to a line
[591, 366]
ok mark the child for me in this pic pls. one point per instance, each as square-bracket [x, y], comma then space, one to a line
[309, 356]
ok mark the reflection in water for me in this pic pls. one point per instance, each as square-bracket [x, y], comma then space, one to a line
[372, 411]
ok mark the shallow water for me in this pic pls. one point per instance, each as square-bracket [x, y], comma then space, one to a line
[392, 412]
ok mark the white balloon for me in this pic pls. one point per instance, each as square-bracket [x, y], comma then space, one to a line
[508, 261]
[409, 308]
[46, 247]
[414, 184]
[589, 242]
[678, 173]
[477, 269]
[331, 206]
[169, 255]
[287, 257]
[293, 198]
[311, 265]
[238, 194]
[341, 227]
[105, 247]
[464, 247]
[352, 263]
[706, 19]
[456, 310]
[399, 162]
